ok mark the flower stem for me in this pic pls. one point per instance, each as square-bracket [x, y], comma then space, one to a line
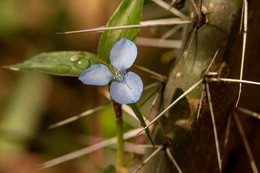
[120, 132]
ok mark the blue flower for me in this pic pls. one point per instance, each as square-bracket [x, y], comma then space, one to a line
[126, 87]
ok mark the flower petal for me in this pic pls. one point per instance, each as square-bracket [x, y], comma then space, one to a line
[123, 54]
[96, 75]
[127, 91]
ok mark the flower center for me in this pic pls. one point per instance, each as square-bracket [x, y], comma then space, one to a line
[119, 76]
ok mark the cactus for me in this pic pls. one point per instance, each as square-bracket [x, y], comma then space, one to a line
[189, 138]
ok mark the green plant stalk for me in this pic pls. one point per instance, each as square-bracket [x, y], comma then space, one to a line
[120, 143]
[119, 133]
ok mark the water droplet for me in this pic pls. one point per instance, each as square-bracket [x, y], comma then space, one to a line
[82, 64]
[62, 69]
[74, 58]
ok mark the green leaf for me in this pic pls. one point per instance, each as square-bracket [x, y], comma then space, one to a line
[131, 159]
[109, 169]
[129, 12]
[141, 119]
[148, 96]
[56, 63]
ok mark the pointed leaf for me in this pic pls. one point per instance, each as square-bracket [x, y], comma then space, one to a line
[109, 169]
[56, 63]
[131, 159]
[129, 12]
[143, 124]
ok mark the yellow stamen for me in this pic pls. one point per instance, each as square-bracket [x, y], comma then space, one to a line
[118, 76]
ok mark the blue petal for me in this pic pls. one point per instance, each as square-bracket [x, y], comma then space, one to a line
[96, 75]
[123, 54]
[127, 91]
